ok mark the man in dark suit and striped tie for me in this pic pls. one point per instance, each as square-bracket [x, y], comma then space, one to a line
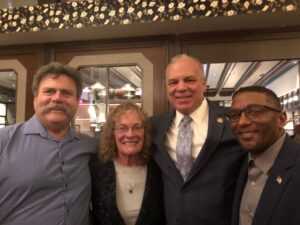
[200, 175]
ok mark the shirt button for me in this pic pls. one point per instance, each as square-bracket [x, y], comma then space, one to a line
[66, 185]
[252, 183]
[63, 163]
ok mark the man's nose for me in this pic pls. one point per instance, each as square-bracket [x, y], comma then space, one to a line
[181, 85]
[57, 96]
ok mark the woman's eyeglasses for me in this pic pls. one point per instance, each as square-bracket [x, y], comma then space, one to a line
[138, 128]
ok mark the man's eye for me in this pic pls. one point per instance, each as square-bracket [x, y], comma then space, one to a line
[234, 114]
[49, 91]
[190, 80]
[66, 93]
[171, 83]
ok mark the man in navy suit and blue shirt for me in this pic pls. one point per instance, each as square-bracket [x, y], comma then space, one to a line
[269, 183]
[205, 195]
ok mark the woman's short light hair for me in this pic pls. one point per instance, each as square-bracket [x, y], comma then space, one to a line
[108, 148]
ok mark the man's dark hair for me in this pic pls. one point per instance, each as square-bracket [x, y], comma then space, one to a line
[56, 69]
[260, 89]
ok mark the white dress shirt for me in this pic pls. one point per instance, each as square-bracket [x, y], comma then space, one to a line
[199, 125]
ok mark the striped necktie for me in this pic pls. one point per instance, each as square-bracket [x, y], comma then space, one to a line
[184, 147]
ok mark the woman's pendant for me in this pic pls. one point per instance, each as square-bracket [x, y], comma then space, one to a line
[130, 188]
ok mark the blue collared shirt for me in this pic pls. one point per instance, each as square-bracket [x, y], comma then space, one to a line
[43, 181]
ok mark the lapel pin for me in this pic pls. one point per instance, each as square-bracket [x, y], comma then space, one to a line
[220, 120]
[279, 180]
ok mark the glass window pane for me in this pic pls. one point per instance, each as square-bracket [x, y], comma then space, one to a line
[2, 109]
[104, 89]
[125, 84]
[92, 110]
[8, 81]
[2, 120]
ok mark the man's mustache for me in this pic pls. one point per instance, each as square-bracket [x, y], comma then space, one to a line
[55, 106]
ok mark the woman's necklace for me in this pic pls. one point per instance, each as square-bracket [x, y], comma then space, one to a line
[129, 176]
[131, 184]
[129, 173]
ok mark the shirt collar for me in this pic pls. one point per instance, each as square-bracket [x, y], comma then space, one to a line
[268, 157]
[198, 116]
[34, 126]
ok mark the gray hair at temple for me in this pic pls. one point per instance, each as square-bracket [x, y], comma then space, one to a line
[56, 69]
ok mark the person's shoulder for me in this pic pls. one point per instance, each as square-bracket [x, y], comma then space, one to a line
[291, 142]
[153, 165]
[90, 144]
[219, 111]
[217, 106]
[157, 117]
[158, 121]
[296, 138]
[161, 117]
[88, 138]
[98, 166]
[95, 160]
[290, 149]
[8, 130]
[7, 134]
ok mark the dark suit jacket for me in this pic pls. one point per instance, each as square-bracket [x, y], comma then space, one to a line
[104, 204]
[280, 200]
[206, 196]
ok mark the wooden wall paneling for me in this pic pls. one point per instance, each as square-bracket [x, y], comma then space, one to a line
[30, 57]
[242, 45]
[155, 50]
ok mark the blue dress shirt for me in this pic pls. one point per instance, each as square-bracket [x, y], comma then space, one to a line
[43, 181]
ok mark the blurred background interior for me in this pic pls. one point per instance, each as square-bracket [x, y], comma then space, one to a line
[122, 48]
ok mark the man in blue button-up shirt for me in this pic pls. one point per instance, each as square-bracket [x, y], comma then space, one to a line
[44, 174]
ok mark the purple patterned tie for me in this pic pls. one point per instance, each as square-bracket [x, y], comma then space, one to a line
[184, 147]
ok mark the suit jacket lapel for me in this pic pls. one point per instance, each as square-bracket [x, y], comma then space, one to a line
[161, 154]
[216, 126]
[239, 192]
[160, 136]
[278, 179]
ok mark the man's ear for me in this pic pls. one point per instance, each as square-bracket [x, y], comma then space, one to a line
[205, 85]
[282, 119]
